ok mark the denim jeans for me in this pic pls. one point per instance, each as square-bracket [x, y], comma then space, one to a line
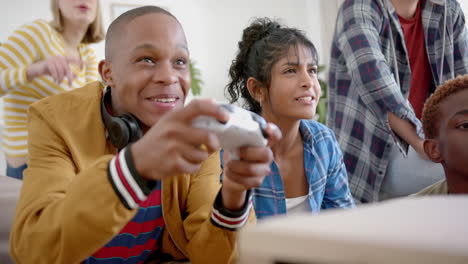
[16, 172]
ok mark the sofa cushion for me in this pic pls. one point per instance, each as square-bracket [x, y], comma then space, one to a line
[9, 194]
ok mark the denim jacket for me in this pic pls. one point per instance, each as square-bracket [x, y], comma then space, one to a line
[325, 172]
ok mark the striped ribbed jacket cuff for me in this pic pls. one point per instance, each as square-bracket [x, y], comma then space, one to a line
[126, 181]
[228, 219]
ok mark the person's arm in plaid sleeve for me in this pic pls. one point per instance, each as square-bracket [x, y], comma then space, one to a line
[371, 75]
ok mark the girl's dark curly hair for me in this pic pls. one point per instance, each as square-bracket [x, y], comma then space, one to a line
[263, 44]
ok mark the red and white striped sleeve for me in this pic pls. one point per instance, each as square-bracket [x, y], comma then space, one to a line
[126, 181]
[228, 219]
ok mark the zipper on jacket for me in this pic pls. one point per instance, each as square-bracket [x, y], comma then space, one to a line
[168, 230]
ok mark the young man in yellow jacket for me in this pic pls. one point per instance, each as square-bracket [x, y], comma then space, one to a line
[91, 196]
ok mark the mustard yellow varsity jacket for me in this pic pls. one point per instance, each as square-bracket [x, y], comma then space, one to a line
[68, 208]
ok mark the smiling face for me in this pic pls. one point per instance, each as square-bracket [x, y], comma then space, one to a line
[78, 11]
[452, 139]
[149, 71]
[294, 88]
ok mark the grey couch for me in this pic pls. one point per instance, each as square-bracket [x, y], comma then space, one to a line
[9, 194]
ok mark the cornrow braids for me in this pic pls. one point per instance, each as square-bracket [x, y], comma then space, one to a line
[264, 42]
[430, 116]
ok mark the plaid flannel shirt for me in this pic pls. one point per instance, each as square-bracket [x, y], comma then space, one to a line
[325, 173]
[363, 87]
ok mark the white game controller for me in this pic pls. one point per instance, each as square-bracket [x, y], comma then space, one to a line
[243, 129]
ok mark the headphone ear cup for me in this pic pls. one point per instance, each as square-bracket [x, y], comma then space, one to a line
[121, 130]
[134, 128]
[119, 134]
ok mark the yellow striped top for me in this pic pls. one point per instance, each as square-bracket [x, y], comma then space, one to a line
[28, 44]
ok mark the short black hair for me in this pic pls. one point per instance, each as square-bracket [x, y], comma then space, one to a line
[264, 42]
[116, 27]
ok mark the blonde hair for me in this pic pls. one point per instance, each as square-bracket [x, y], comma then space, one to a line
[95, 31]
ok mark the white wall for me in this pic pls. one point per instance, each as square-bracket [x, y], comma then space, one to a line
[464, 6]
[17, 12]
[213, 27]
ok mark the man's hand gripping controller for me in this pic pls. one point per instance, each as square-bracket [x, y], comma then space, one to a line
[243, 129]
